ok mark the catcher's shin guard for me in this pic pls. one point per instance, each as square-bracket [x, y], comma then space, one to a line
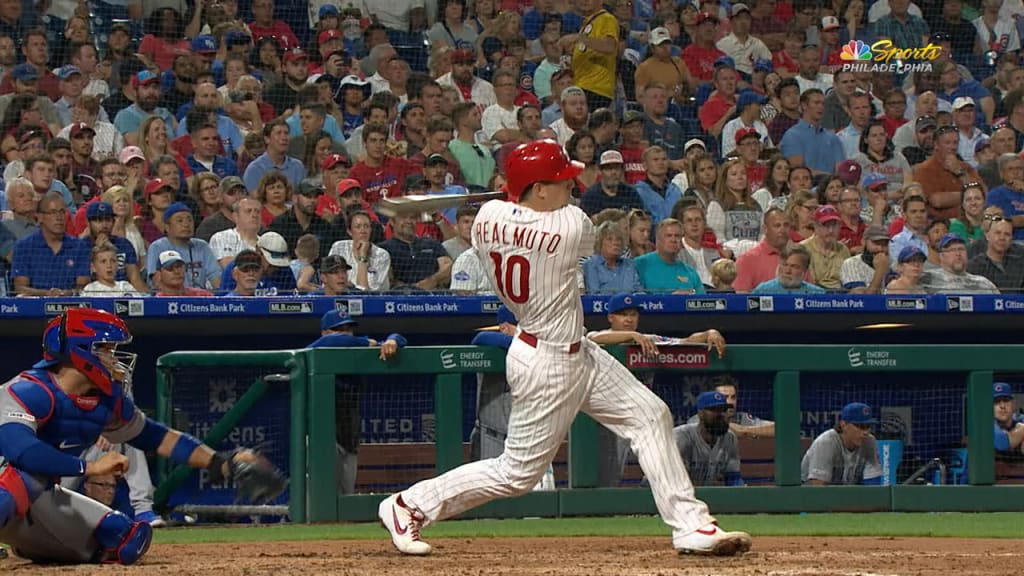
[122, 541]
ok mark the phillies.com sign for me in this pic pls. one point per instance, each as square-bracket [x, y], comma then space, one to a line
[668, 357]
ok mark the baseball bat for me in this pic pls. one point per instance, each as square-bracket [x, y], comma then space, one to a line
[422, 203]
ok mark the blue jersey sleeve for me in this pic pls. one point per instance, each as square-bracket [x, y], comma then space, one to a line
[341, 341]
[398, 338]
[491, 338]
[1002, 439]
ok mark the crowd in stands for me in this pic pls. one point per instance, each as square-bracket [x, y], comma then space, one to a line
[179, 148]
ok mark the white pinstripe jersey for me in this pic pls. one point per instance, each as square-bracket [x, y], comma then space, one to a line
[531, 259]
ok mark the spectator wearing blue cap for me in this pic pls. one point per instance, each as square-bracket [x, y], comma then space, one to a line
[748, 109]
[100, 218]
[1008, 423]
[708, 447]
[49, 262]
[201, 268]
[845, 454]
[952, 276]
[722, 104]
[24, 79]
[35, 49]
[909, 266]
[72, 84]
[337, 330]
[147, 95]
[739, 44]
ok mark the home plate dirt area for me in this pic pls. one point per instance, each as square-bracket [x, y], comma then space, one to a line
[789, 556]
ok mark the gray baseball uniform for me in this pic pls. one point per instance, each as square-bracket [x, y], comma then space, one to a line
[829, 461]
[708, 465]
[741, 418]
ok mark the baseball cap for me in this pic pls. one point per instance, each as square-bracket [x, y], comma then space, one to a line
[620, 302]
[295, 54]
[274, 248]
[156, 184]
[463, 55]
[571, 91]
[633, 116]
[145, 78]
[982, 144]
[59, 143]
[872, 180]
[745, 132]
[724, 62]
[876, 232]
[98, 210]
[1001, 390]
[353, 80]
[849, 172]
[857, 413]
[763, 65]
[333, 264]
[748, 97]
[925, 122]
[25, 73]
[711, 399]
[78, 127]
[336, 318]
[204, 44]
[247, 258]
[505, 315]
[328, 10]
[66, 72]
[169, 257]
[739, 8]
[414, 182]
[434, 159]
[310, 187]
[328, 35]
[175, 208]
[962, 102]
[332, 160]
[694, 142]
[236, 37]
[659, 35]
[230, 183]
[611, 157]
[948, 239]
[129, 153]
[911, 253]
[703, 17]
[829, 23]
[825, 214]
[349, 184]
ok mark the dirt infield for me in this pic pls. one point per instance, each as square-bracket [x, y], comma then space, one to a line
[572, 557]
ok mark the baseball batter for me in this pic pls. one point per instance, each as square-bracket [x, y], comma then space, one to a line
[51, 413]
[530, 246]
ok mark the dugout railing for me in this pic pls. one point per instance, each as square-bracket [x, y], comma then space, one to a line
[313, 497]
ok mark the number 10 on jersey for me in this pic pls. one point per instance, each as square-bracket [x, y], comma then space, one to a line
[512, 276]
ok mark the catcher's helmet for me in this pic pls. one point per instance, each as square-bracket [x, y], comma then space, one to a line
[74, 338]
[538, 161]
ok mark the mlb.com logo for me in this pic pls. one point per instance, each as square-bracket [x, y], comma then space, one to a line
[883, 56]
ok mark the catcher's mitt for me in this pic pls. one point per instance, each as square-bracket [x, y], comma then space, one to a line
[255, 478]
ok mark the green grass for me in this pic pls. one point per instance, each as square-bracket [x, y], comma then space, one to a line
[994, 525]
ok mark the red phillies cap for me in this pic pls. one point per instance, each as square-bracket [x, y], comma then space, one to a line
[348, 184]
[156, 184]
[332, 160]
[295, 54]
[327, 36]
[825, 214]
[744, 132]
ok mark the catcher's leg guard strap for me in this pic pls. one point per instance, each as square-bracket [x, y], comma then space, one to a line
[123, 540]
[14, 496]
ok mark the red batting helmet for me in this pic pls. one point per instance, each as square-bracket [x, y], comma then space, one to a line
[538, 161]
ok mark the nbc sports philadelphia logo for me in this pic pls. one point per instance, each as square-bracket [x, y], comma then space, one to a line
[884, 56]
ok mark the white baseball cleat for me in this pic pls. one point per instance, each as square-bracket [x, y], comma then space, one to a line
[404, 526]
[713, 541]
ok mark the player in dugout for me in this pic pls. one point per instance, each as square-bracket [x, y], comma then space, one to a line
[846, 453]
[58, 408]
[337, 331]
[1009, 425]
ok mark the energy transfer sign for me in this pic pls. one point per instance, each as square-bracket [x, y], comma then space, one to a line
[883, 56]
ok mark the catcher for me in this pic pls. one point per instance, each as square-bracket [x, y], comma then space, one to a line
[51, 413]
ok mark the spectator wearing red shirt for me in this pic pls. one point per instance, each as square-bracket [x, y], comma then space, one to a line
[632, 146]
[894, 112]
[34, 49]
[263, 24]
[787, 61]
[165, 40]
[748, 148]
[700, 56]
[851, 226]
[760, 263]
[381, 175]
[333, 169]
[722, 104]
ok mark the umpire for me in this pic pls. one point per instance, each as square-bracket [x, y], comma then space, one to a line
[336, 331]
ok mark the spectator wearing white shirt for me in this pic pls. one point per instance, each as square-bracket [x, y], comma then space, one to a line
[226, 244]
[970, 135]
[739, 44]
[108, 142]
[370, 264]
[996, 35]
[574, 114]
[85, 57]
[499, 121]
[748, 104]
[809, 75]
[470, 88]
[103, 265]
[381, 55]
